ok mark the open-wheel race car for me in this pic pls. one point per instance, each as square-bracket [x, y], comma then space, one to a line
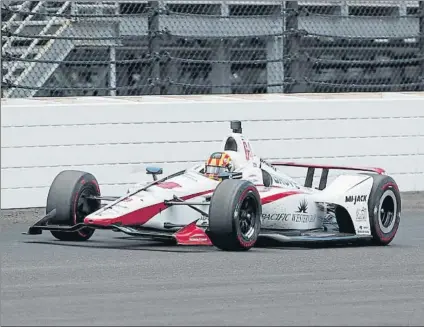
[232, 202]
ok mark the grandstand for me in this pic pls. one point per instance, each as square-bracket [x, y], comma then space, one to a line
[196, 47]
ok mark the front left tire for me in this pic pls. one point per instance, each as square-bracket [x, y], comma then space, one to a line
[68, 195]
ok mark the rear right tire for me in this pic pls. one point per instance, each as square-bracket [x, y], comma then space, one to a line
[384, 206]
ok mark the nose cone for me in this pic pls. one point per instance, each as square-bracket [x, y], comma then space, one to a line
[100, 221]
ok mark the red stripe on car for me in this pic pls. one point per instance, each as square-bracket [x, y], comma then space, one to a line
[278, 196]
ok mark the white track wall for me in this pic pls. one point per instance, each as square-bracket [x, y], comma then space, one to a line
[115, 138]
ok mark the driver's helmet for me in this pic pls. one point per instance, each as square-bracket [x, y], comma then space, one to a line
[218, 163]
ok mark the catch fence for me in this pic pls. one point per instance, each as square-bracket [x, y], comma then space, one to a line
[73, 48]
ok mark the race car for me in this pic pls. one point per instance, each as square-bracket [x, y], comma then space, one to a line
[234, 201]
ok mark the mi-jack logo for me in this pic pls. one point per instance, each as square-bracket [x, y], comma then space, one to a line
[356, 198]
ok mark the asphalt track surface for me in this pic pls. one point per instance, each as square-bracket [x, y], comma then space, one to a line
[115, 281]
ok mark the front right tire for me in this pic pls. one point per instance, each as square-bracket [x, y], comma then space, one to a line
[234, 215]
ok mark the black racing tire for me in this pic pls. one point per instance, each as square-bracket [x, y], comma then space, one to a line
[230, 228]
[384, 206]
[67, 195]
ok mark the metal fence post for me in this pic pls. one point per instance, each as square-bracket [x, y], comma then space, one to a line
[421, 43]
[275, 53]
[1, 57]
[112, 56]
[154, 45]
[221, 70]
[291, 48]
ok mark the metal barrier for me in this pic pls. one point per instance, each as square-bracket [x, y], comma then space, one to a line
[208, 47]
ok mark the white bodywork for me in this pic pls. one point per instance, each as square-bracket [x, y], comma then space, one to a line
[286, 205]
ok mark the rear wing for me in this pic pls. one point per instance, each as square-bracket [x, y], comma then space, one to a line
[325, 169]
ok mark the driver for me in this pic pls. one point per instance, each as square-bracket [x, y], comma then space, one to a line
[218, 163]
[230, 161]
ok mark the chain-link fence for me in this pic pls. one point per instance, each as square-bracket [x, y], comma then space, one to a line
[73, 48]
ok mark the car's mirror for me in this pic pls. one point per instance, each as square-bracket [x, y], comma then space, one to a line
[154, 171]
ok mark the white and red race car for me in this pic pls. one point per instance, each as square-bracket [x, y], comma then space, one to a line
[255, 203]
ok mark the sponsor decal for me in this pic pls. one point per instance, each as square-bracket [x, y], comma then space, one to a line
[302, 215]
[203, 221]
[168, 185]
[283, 181]
[263, 162]
[361, 214]
[198, 239]
[303, 207]
[363, 230]
[276, 217]
[329, 218]
[356, 198]
[247, 150]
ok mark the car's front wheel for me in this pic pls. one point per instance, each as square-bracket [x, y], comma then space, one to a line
[69, 195]
[234, 215]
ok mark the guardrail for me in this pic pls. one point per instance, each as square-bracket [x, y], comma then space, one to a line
[116, 137]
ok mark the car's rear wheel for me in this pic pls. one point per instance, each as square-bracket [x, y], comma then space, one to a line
[234, 215]
[384, 207]
[69, 195]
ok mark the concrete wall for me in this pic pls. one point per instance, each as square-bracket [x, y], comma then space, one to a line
[115, 138]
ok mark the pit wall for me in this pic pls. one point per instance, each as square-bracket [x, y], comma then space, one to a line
[116, 138]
